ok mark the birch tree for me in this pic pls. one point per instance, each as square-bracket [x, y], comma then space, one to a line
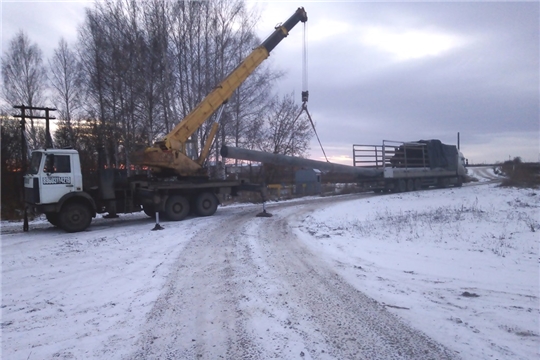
[66, 83]
[24, 80]
[149, 63]
[283, 131]
[93, 53]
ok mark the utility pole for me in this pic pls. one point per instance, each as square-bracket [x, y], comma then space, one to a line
[24, 146]
[47, 118]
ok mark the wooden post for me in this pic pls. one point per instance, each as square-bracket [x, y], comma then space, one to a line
[47, 117]
[24, 146]
[48, 138]
[23, 140]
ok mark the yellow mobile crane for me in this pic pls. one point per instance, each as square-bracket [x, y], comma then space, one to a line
[170, 153]
[54, 184]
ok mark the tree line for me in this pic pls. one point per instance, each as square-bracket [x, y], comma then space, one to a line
[137, 69]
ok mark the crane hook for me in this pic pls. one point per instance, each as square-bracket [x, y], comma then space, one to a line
[305, 96]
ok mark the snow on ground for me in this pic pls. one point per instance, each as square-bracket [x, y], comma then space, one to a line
[461, 265]
[72, 292]
[483, 173]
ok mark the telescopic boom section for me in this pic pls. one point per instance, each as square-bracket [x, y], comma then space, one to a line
[170, 152]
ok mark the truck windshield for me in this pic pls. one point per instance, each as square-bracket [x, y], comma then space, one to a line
[34, 163]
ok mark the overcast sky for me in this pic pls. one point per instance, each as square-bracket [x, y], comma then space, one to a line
[393, 71]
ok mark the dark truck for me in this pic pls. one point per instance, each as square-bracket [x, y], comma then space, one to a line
[408, 166]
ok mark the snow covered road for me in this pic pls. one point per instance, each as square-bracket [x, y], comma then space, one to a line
[246, 288]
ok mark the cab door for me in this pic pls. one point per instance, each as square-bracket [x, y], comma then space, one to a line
[57, 179]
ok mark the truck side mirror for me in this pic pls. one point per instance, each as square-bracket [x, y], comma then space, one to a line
[49, 164]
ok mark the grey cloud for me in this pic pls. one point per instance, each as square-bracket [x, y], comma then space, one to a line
[487, 88]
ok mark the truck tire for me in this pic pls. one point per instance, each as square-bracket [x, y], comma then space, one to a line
[206, 204]
[400, 186]
[443, 183]
[74, 217]
[176, 208]
[410, 185]
[417, 184]
[53, 218]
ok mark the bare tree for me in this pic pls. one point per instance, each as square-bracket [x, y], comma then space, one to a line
[148, 64]
[66, 80]
[11, 144]
[93, 52]
[284, 132]
[251, 99]
[12, 177]
[159, 80]
[122, 44]
[234, 43]
[24, 79]
[209, 39]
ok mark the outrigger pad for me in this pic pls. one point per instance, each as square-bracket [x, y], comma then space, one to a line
[264, 214]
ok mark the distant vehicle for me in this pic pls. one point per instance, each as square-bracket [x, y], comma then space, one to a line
[408, 166]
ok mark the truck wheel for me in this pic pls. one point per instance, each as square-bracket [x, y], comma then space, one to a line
[400, 186]
[206, 204]
[53, 218]
[176, 208]
[74, 217]
[443, 183]
[417, 184]
[410, 185]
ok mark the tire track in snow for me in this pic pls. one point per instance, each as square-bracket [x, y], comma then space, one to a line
[246, 288]
[196, 316]
[353, 325]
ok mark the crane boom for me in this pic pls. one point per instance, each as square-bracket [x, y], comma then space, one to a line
[170, 152]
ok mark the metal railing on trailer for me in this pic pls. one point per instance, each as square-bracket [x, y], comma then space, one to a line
[368, 156]
[392, 154]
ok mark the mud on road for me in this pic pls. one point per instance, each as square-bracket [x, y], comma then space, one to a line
[247, 288]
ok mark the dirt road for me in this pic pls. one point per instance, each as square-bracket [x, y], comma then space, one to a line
[247, 288]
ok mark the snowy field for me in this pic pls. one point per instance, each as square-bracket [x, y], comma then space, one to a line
[459, 265]
[462, 265]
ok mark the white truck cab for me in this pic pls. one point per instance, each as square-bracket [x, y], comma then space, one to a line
[57, 172]
[54, 185]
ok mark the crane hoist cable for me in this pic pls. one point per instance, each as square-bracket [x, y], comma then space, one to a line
[305, 92]
[304, 61]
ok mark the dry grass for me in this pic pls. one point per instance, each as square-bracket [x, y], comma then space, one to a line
[520, 174]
